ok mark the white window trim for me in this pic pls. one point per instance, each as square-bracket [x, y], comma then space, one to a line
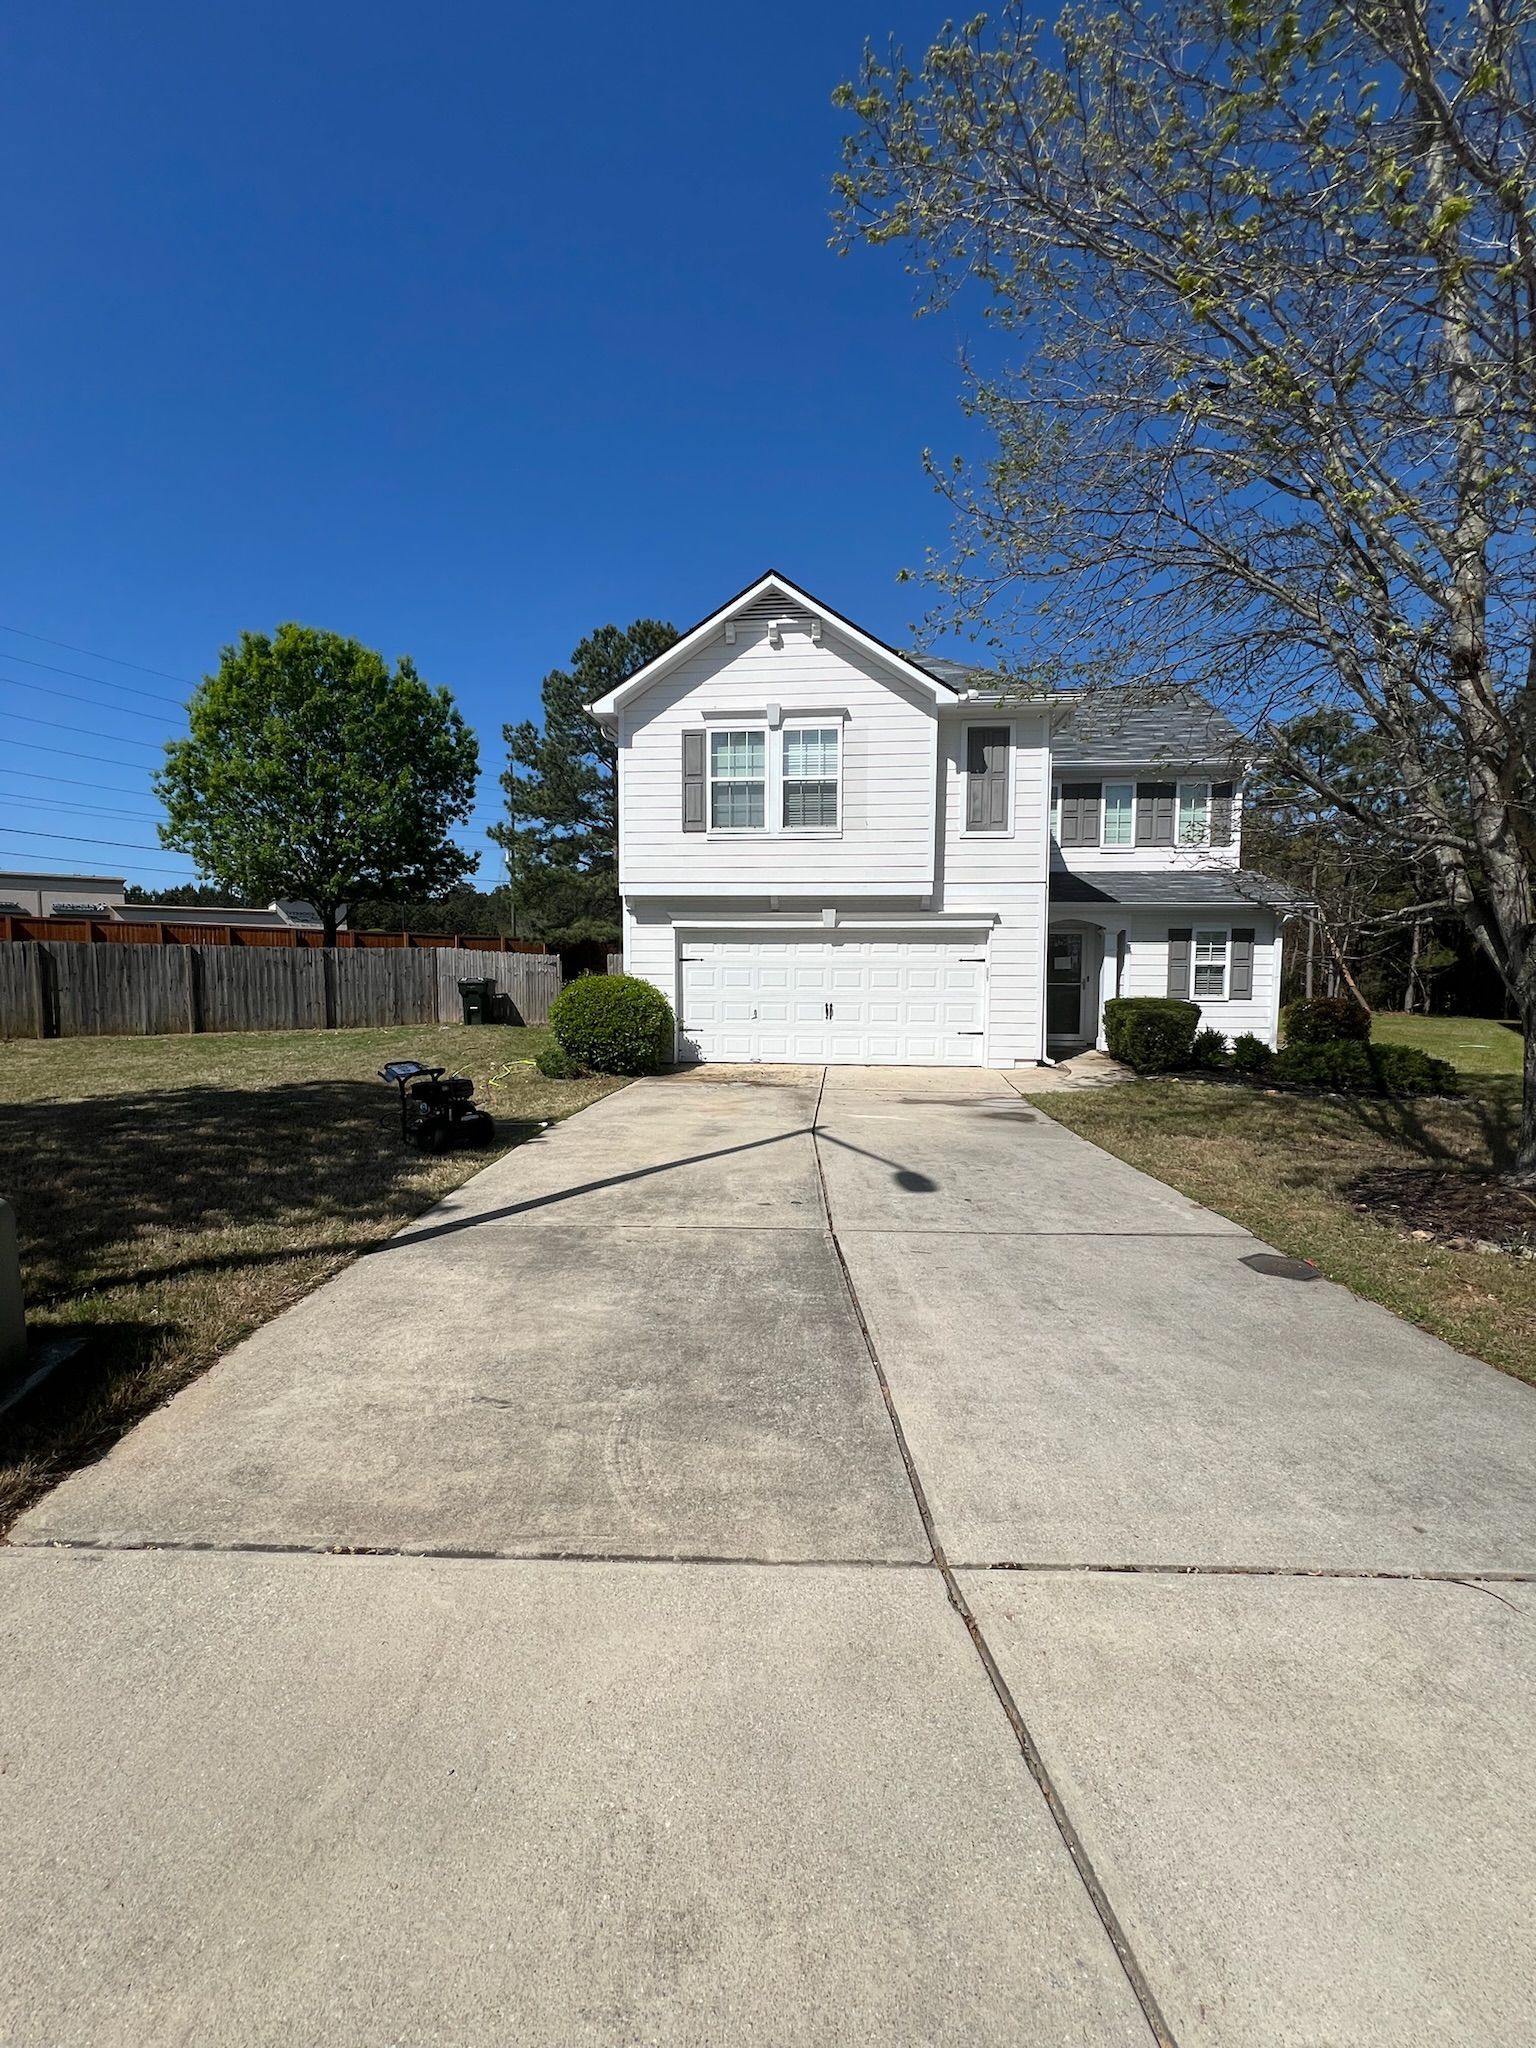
[1178, 813]
[1211, 931]
[991, 725]
[714, 831]
[1106, 784]
[810, 722]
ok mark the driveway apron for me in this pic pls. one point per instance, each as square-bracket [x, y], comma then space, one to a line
[829, 1559]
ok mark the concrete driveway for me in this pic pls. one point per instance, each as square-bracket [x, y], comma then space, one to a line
[823, 1558]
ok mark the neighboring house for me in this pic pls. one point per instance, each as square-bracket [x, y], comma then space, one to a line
[831, 851]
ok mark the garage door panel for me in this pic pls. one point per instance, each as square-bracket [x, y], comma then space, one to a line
[898, 1001]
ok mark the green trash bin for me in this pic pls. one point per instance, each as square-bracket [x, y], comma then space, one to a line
[479, 1000]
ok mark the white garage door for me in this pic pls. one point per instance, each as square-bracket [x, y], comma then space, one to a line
[906, 1002]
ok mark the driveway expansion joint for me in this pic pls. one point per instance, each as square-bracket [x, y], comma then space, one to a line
[1076, 1849]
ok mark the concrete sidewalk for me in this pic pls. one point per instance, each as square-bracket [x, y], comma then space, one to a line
[654, 1719]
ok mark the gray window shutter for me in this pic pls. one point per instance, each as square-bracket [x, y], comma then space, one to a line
[1240, 971]
[1156, 805]
[1180, 945]
[1080, 813]
[693, 782]
[986, 778]
[1221, 813]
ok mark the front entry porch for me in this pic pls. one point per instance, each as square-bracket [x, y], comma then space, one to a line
[1084, 964]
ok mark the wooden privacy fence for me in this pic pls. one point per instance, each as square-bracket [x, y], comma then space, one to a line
[126, 928]
[79, 990]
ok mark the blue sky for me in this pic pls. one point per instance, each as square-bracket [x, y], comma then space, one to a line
[460, 329]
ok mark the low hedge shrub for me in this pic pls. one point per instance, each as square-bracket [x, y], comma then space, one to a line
[556, 1064]
[1324, 1020]
[1153, 1034]
[614, 1024]
[1356, 1068]
[1250, 1053]
[1209, 1049]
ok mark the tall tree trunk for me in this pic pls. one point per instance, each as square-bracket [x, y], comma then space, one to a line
[1410, 994]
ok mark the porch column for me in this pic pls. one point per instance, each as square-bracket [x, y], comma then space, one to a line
[1108, 972]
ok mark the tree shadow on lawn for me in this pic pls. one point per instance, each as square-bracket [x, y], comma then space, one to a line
[162, 1226]
[99, 1185]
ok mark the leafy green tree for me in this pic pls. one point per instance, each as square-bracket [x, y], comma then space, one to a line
[1259, 407]
[561, 830]
[485, 912]
[313, 770]
[202, 893]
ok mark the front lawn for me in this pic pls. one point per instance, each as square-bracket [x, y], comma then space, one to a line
[1281, 1166]
[173, 1193]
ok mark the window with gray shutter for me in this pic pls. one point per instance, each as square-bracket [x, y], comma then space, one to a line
[1180, 944]
[1156, 805]
[1240, 981]
[986, 778]
[693, 782]
[1080, 813]
[1221, 813]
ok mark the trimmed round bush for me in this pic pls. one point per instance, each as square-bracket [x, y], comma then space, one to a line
[1153, 1034]
[556, 1064]
[614, 1024]
[1355, 1068]
[1209, 1049]
[1250, 1053]
[1323, 1020]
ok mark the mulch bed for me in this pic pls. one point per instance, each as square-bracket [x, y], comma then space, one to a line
[1442, 1206]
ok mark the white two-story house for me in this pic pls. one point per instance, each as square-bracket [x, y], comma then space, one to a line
[832, 851]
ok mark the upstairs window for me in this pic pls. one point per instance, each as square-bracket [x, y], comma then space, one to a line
[1194, 813]
[738, 781]
[810, 778]
[1119, 813]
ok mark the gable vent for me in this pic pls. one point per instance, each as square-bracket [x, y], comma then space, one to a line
[762, 610]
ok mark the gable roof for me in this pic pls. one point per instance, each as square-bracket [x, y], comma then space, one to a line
[772, 585]
[1123, 725]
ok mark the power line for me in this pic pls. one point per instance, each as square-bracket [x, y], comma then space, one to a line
[76, 839]
[73, 753]
[86, 732]
[64, 781]
[72, 803]
[90, 653]
[103, 682]
[74, 697]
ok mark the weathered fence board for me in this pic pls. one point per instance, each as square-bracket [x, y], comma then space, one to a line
[615, 963]
[77, 990]
[258, 989]
[19, 992]
[117, 991]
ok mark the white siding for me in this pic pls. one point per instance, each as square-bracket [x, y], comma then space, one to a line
[885, 841]
[1146, 967]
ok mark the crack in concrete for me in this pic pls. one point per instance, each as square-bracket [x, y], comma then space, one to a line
[1136, 1976]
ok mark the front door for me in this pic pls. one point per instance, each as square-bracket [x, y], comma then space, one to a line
[1064, 986]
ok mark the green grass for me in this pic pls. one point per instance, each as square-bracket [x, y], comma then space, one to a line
[173, 1193]
[1279, 1165]
[1473, 1045]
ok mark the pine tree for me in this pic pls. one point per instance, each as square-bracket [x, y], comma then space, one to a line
[561, 834]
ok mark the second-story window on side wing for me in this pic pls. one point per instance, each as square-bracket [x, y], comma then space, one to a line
[810, 778]
[1194, 813]
[1119, 814]
[738, 781]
